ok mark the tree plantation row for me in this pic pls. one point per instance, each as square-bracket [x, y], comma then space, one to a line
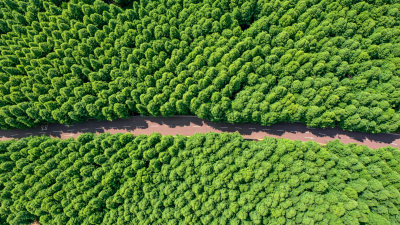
[203, 179]
[321, 62]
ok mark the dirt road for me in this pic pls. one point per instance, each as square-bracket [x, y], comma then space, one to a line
[189, 125]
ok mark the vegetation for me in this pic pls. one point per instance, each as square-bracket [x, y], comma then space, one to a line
[321, 62]
[203, 179]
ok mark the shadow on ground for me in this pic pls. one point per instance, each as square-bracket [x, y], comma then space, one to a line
[142, 122]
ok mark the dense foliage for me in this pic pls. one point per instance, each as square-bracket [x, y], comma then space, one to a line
[321, 62]
[203, 179]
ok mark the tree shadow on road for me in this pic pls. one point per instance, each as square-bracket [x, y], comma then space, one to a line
[91, 126]
[175, 121]
[142, 122]
[334, 132]
[299, 128]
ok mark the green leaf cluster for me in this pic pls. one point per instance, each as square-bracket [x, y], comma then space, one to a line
[321, 62]
[203, 179]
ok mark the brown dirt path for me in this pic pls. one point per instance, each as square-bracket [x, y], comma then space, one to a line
[189, 125]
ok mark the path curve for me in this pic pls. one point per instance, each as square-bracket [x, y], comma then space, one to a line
[189, 125]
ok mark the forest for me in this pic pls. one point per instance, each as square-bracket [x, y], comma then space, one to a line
[324, 63]
[203, 179]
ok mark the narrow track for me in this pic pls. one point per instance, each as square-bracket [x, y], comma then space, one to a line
[189, 125]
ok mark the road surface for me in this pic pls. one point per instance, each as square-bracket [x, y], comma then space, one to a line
[189, 125]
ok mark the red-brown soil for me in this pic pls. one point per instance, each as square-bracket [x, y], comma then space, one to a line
[189, 125]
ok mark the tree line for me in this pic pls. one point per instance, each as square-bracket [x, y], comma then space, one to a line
[321, 62]
[203, 179]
